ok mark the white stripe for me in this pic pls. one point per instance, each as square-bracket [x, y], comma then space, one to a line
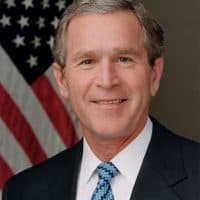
[75, 121]
[28, 103]
[0, 195]
[11, 151]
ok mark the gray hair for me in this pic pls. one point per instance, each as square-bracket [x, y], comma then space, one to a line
[153, 32]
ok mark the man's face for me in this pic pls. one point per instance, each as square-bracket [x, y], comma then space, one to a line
[107, 77]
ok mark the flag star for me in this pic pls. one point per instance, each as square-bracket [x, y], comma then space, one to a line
[5, 21]
[28, 4]
[54, 23]
[19, 41]
[10, 3]
[40, 22]
[45, 4]
[23, 21]
[50, 42]
[36, 42]
[32, 61]
[60, 4]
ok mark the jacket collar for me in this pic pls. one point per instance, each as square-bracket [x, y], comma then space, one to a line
[160, 176]
[62, 185]
[163, 169]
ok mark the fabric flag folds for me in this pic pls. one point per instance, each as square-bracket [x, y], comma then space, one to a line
[35, 121]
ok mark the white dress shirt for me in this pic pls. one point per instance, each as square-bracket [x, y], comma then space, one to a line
[128, 162]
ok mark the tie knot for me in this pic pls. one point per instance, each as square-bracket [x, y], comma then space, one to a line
[107, 171]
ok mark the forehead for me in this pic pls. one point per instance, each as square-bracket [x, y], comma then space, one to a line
[91, 17]
[109, 30]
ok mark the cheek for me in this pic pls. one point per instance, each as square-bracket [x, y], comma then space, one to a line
[74, 90]
[75, 97]
[78, 84]
[139, 82]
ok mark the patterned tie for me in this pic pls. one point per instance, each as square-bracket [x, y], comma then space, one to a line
[106, 171]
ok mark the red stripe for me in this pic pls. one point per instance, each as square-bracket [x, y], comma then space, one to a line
[20, 128]
[56, 110]
[5, 172]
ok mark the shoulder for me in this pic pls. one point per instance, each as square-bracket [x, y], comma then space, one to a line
[163, 133]
[170, 143]
[39, 176]
[61, 160]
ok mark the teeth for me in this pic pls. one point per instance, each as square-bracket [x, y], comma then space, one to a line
[115, 101]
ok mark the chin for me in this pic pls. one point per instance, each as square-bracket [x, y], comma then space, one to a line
[108, 133]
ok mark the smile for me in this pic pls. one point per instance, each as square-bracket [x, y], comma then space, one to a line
[106, 102]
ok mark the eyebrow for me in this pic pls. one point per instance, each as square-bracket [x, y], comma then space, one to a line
[125, 51]
[83, 54]
[121, 51]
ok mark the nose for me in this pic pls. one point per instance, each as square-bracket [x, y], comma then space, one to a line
[107, 76]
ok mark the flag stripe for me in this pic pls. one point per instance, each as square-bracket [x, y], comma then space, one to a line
[28, 103]
[5, 172]
[32, 106]
[52, 105]
[16, 163]
[20, 128]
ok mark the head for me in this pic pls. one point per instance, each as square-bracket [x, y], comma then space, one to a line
[153, 32]
[108, 64]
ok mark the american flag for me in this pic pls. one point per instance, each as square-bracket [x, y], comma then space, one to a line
[35, 122]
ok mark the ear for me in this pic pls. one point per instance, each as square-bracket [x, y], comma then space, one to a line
[60, 79]
[156, 75]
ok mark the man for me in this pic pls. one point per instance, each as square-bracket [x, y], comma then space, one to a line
[108, 64]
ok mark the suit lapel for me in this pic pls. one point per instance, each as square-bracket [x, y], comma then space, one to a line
[162, 170]
[62, 185]
[160, 176]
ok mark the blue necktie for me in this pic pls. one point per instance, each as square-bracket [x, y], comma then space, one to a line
[106, 171]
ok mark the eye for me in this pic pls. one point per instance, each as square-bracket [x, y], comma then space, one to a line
[124, 59]
[87, 62]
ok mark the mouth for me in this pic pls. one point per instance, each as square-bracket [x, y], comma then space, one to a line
[109, 102]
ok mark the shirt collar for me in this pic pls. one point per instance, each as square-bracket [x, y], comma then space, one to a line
[128, 161]
[89, 163]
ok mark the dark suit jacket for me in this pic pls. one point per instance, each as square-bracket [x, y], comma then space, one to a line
[170, 171]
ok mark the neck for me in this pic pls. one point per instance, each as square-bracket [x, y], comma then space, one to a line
[106, 149]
